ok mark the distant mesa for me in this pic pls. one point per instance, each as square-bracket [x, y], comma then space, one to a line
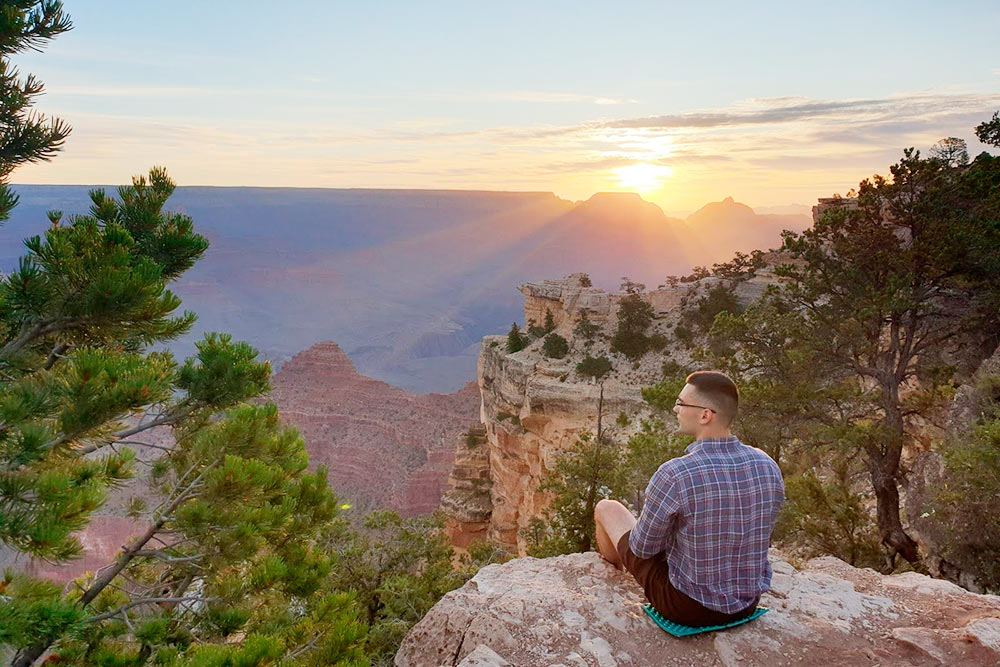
[383, 447]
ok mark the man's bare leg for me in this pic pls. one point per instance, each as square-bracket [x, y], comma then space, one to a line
[612, 520]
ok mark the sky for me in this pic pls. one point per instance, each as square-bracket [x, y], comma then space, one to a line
[773, 103]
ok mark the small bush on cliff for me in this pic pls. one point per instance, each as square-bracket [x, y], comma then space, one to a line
[555, 346]
[684, 335]
[595, 367]
[634, 317]
[586, 329]
[547, 327]
[719, 298]
[515, 341]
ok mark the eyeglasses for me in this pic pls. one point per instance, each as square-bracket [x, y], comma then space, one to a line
[681, 404]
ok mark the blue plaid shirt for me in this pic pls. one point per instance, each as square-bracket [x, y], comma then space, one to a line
[712, 512]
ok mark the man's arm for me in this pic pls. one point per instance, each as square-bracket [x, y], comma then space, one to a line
[652, 532]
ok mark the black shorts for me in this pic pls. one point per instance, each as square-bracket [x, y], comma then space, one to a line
[653, 576]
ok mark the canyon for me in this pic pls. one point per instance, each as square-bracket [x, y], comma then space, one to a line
[382, 447]
[406, 281]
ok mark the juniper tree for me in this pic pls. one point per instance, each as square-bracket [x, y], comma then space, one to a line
[397, 568]
[25, 135]
[885, 296]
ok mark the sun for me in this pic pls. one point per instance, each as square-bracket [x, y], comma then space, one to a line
[643, 177]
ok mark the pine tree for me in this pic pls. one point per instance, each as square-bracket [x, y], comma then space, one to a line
[230, 550]
[550, 323]
[25, 136]
[515, 341]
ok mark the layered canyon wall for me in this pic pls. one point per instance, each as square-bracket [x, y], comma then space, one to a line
[383, 447]
[534, 407]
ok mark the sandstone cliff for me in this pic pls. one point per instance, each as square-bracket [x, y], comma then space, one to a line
[534, 407]
[579, 610]
[382, 446]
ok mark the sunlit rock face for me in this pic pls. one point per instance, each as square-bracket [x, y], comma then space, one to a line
[382, 447]
[534, 407]
[579, 610]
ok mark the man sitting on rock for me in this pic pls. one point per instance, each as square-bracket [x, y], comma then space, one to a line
[699, 548]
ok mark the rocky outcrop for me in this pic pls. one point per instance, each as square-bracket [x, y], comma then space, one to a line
[532, 412]
[927, 477]
[382, 446]
[467, 503]
[534, 407]
[579, 610]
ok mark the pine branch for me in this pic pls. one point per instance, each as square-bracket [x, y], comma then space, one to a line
[144, 601]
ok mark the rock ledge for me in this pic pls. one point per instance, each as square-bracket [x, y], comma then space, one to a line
[577, 610]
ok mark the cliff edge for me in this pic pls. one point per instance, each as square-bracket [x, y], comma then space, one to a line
[579, 610]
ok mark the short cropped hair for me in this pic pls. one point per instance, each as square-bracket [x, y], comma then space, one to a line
[720, 389]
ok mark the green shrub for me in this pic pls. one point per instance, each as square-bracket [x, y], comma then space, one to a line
[684, 335]
[825, 517]
[586, 329]
[719, 299]
[595, 367]
[504, 416]
[634, 317]
[672, 370]
[555, 346]
[966, 505]
[547, 327]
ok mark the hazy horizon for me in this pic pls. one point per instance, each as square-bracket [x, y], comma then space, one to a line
[780, 209]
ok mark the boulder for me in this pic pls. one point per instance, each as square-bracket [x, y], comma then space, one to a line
[578, 610]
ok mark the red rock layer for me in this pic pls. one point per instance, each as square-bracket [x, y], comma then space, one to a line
[382, 446]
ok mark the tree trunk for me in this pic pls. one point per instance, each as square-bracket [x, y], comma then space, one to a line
[890, 527]
[884, 474]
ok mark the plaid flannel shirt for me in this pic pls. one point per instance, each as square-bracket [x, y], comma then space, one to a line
[712, 512]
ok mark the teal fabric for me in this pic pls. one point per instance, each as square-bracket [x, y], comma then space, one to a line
[678, 630]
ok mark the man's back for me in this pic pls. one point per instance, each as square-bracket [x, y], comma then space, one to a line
[712, 512]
